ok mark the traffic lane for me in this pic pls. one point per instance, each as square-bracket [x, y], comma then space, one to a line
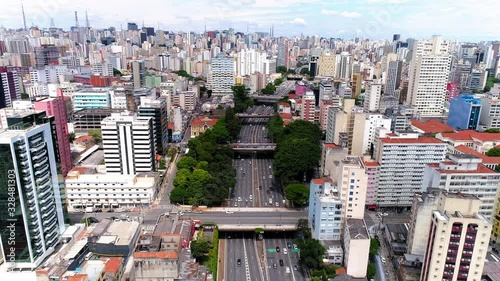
[277, 256]
[252, 257]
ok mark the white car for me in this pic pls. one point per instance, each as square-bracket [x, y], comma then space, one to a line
[383, 259]
[270, 176]
[251, 196]
[277, 204]
[229, 212]
[239, 199]
[285, 251]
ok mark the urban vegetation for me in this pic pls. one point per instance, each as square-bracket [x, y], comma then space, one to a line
[96, 135]
[206, 250]
[298, 149]
[269, 89]
[297, 194]
[241, 100]
[489, 83]
[205, 175]
[371, 270]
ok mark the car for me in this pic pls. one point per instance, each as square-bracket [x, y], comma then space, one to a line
[264, 178]
[268, 191]
[383, 259]
[260, 187]
[270, 176]
[242, 159]
[278, 249]
[239, 199]
[235, 204]
[251, 197]
[241, 169]
[198, 212]
[238, 262]
[270, 166]
[277, 204]
[250, 162]
[295, 267]
[285, 251]
[289, 245]
[287, 269]
[229, 212]
[385, 214]
[274, 265]
[181, 213]
[282, 263]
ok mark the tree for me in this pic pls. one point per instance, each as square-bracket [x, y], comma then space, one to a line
[304, 71]
[200, 248]
[25, 96]
[303, 227]
[117, 72]
[374, 246]
[182, 178]
[203, 165]
[72, 136]
[269, 89]
[492, 130]
[278, 81]
[494, 152]
[371, 271]
[232, 123]
[292, 163]
[96, 135]
[220, 132]
[297, 194]
[311, 253]
[187, 162]
[178, 195]
[163, 164]
[281, 69]
[241, 99]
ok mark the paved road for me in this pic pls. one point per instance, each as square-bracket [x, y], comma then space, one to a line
[241, 246]
[273, 257]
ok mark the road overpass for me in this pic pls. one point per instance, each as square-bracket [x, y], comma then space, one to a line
[246, 115]
[253, 146]
[265, 98]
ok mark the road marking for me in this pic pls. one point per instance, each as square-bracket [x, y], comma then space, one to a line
[247, 267]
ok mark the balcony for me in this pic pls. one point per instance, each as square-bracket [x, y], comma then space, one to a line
[471, 230]
[456, 229]
[451, 260]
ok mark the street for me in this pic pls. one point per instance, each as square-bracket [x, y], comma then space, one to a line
[290, 259]
[241, 247]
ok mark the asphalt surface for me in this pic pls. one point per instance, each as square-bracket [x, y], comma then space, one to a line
[242, 247]
[273, 240]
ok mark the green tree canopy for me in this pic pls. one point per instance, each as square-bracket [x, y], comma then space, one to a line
[232, 123]
[96, 135]
[241, 99]
[203, 165]
[117, 72]
[371, 271]
[187, 162]
[311, 253]
[278, 81]
[494, 152]
[297, 194]
[492, 130]
[200, 248]
[269, 89]
[304, 71]
[374, 247]
[281, 69]
[295, 157]
[179, 195]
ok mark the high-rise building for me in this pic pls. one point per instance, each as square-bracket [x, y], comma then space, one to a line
[221, 78]
[465, 112]
[138, 75]
[428, 76]
[393, 78]
[403, 157]
[351, 182]
[30, 202]
[356, 84]
[343, 66]
[132, 26]
[464, 173]
[356, 242]
[250, 61]
[57, 107]
[9, 87]
[46, 55]
[157, 109]
[457, 241]
[326, 64]
[325, 210]
[283, 53]
[308, 106]
[129, 143]
[372, 96]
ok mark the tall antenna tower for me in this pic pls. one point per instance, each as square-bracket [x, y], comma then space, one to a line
[77, 26]
[87, 23]
[24, 17]
[52, 24]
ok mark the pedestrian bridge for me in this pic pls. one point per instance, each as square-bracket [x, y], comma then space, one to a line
[253, 146]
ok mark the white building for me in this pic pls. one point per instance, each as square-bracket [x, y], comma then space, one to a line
[490, 111]
[356, 247]
[352, 183]
[372, 122]
[464, 173]
[103, 68]
[424, 203]
[109, 190]
[458, 239]
[403, 158]
[92, 98]
[222, 75]
[372, 96]
[325, 210]
[428, 77]
[48, 74]
[129, 143]
[250, 61]
[31, 206]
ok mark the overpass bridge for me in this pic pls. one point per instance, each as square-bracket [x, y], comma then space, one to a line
[266, 98]
[253, 146]
[246, 115]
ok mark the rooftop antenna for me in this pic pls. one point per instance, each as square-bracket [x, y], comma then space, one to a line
[24, 16]
[87, 23]
[143, 23]
[205, 25]
[77, 26]
[52, 24]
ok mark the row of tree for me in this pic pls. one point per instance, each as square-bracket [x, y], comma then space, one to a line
[241, 100]
[205, 176]
[298, 149]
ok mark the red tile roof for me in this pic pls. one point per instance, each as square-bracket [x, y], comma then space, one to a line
[319, 181]
[79, 169]
[486, 159]
[286, 123]
[113, 265]
[155, 255]
[201, 121]
[292, 96]
[171, 125]
[422, 140]
[468, 135]
[77, 277]
[371, 164]
[481, 169]
[84, 138]
[286, 116]
[431, 126]
[330, 145]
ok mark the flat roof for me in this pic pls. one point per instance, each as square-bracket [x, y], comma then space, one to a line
[77, 247]
[357, 229]
[121, 233]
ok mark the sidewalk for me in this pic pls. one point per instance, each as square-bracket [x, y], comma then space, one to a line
[220, 264]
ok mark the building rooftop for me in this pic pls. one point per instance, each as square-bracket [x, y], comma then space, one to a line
[200, 121]
[371, 164]
[431, 126]
[330, 145]
[119, 233]
[419, 140]
[113, 264]
[155, 255]
[357, 229]
[471, 135]
[481, 169]
[352, 160]
[486, 159]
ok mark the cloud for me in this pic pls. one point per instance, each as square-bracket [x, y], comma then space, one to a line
[388, 1]
[299, 21]
[344, 14]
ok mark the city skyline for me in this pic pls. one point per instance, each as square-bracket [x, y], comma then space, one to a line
[374, 19]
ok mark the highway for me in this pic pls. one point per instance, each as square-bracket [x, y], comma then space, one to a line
[242, 247]
[281, 240]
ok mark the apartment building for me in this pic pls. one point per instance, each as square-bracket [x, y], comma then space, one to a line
[457, 241]
[325, 210]
[372, 96]
[222, 75]
[403, 157]
[372, 170]
[356, 242]
[92, 98]
[464, 173]
[308, 106]
[109, 191]
[352, 183]
[129, 143]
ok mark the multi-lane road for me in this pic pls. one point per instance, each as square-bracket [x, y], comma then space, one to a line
[288, 269]
[242, 261]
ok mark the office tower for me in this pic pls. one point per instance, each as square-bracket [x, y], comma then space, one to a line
[325, 210]
[128, 143]
[464, 173]
[283, 53]
[356, 84]
[393, 78]
[465, 112]
[137, 68]
[221, 76]
[372, 96]
[343, 66]
[57, 107]
[46, 55]
[326, 64]
[396, 37]
[157, 109]
[250, 61]
[477, 79]
[19, 46]
[403, 157]
[351, 182]
[104, 68]
[31, 211]
[428, 76]
[308, 106]
[457, 241]
[9, 87]
[132, 26]
[150, 31]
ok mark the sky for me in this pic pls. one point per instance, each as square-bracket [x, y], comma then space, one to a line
[464, 20]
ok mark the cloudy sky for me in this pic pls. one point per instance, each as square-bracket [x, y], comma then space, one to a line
[465, 20]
